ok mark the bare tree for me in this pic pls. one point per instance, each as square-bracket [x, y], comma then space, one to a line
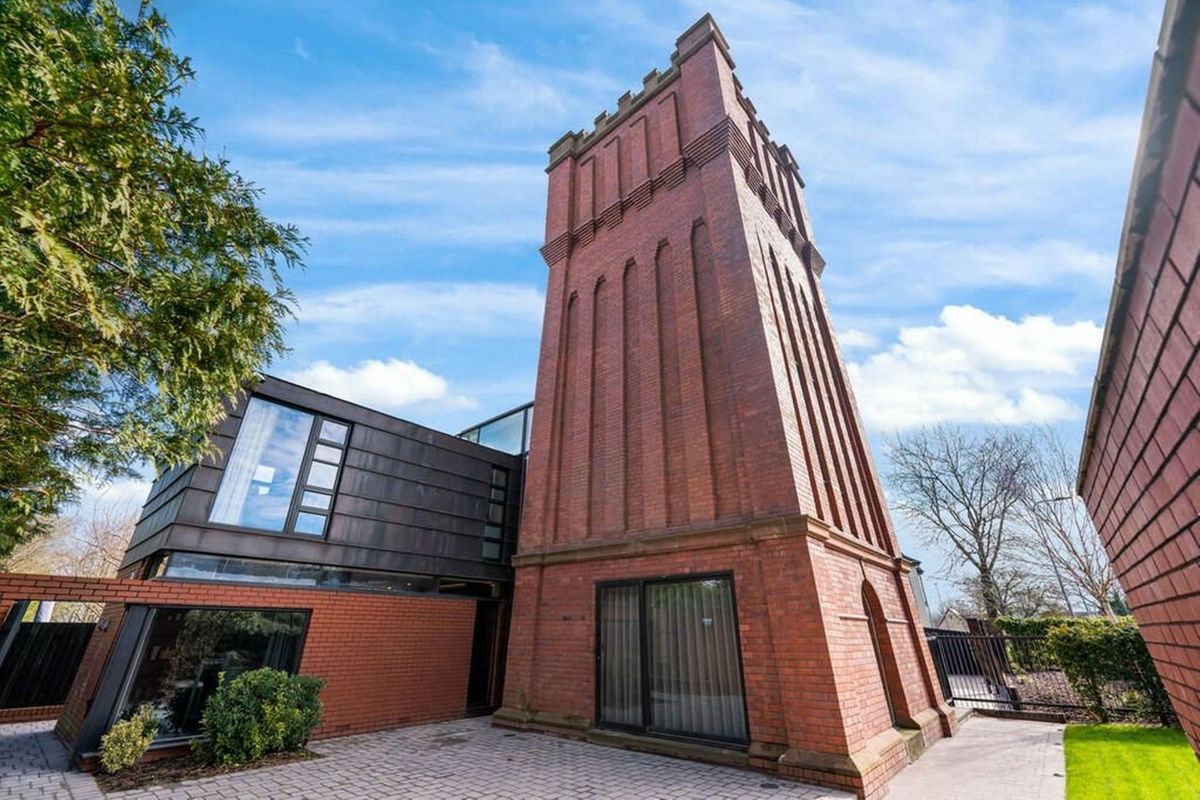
[1060, 542]
[963, 490]
[1019, 593]
[91, 545]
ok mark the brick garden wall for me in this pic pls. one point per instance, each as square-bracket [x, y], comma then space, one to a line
[387, 660]
[1141, 464]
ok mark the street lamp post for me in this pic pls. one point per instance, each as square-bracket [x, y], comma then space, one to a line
[1062, 587]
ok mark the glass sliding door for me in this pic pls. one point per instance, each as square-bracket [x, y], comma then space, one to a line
[679, 637]
[620, 656]
[695, 670]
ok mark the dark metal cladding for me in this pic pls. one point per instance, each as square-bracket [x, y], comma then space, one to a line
[410, 499]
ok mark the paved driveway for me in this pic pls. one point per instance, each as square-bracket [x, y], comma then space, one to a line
[989, 759]
[449, 760]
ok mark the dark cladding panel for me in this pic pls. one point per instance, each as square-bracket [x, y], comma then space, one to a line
[402, 490]
[416, 516]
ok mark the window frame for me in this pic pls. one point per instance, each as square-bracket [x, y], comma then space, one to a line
[646, 728]
[143, 638]
[295, 505]
[491, 501]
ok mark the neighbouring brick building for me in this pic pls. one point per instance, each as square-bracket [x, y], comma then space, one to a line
[1139, 471]
[706, 563]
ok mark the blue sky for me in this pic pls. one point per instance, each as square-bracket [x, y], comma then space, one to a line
[967, 167]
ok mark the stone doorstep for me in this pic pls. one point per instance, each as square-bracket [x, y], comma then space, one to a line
[857, 767]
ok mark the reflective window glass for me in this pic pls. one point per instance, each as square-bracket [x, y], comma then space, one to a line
[187, 649]
[324, 452]
[690, 665]
[312, 524]
[260, 478]
[334, 432]
[316, 500]
[504, 434]
[322, 475]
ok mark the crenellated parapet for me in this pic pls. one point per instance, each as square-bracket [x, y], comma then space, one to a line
[648, 145]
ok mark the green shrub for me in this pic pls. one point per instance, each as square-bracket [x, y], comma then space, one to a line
[1032, 654]
[128, 739]
[1096, 651]
[259, 712]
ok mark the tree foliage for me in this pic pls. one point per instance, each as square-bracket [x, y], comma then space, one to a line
[139, 282]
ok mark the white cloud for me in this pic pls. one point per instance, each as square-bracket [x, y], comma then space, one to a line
[977, 367]
[854, 339]
[300, 49]
[948, 111]
[378, 384]
[426, 309]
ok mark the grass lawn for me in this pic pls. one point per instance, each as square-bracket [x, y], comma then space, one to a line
[1128, 762]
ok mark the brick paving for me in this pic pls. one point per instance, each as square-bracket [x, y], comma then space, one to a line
[990, 759]
[449, 760]
[33, 764]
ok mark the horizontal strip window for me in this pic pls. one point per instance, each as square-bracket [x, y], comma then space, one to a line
[195, 566]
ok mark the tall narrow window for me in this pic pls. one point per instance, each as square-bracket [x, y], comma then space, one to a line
[620, 656]
[260, 478]
[679, 638]
[493, 529]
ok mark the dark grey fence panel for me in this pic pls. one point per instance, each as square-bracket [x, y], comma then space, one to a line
[42, 662]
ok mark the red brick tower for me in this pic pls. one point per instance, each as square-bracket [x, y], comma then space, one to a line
[693, 418]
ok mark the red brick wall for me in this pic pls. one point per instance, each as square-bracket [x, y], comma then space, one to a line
[387, 660]
[1142, 464]
[29, 714]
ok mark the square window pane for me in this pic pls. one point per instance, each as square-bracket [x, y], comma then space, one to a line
[493, 533]
[322, 476]
[498, 494]
[309, 523]
[259, 480]
[324, 452]
[496, 513]
[334, 432]
[316, 500]
[491, 551]
[499, 477]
